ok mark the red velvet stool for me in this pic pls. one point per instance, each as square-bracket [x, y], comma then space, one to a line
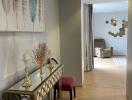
[66, 84]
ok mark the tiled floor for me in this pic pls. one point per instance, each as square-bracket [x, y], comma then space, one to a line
[106, 82]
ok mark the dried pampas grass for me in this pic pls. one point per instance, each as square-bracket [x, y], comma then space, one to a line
[40, 54]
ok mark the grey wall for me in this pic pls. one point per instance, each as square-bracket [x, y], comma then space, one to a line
[13, 44]
[70, 35]
[101, 29]
[129, 59]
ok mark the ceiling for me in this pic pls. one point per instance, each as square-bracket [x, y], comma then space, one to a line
[109, 5]
[106, 1]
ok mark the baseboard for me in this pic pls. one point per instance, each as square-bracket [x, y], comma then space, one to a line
[79, 83]
[119, 55]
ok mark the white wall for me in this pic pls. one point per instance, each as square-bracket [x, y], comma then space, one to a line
[101, 29]
[12, 44]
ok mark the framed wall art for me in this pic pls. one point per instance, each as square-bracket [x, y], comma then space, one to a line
[22, 15]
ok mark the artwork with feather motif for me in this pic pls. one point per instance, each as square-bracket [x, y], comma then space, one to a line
[6, 6]
[22, 16]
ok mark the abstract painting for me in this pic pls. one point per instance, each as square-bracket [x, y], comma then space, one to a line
[33, 9]
[22, 15]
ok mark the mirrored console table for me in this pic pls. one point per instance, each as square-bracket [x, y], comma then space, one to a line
[41, 85]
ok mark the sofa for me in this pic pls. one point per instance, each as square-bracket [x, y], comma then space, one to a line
[100, 49]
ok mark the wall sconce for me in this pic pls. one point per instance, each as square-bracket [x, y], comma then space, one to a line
[121, 31]
[113, 22]
[124, 23]
[107, 22]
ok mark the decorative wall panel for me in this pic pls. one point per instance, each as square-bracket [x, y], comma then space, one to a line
[22, 15]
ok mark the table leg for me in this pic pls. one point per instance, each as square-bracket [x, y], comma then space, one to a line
[32, 97]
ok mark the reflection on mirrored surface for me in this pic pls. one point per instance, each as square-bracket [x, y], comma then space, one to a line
[35, 78]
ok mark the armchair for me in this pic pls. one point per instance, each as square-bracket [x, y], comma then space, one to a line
[101, 50]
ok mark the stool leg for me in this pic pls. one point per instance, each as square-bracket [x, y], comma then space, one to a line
[54, 94]
[71, 94]
[58, 92]
[74, 92]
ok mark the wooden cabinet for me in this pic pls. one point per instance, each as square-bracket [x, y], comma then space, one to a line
[41, 86]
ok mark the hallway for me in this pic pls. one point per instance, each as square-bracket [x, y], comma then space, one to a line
[106, 82]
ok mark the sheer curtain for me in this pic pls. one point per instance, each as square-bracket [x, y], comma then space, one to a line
[89, 38]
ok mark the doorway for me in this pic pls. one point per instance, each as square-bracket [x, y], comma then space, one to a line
[109, 74]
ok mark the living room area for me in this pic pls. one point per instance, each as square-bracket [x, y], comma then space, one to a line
[110, 27]
[58, 28]
[108, 74]
[110, 45]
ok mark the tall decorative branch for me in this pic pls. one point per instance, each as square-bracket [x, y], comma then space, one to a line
[39, 55]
